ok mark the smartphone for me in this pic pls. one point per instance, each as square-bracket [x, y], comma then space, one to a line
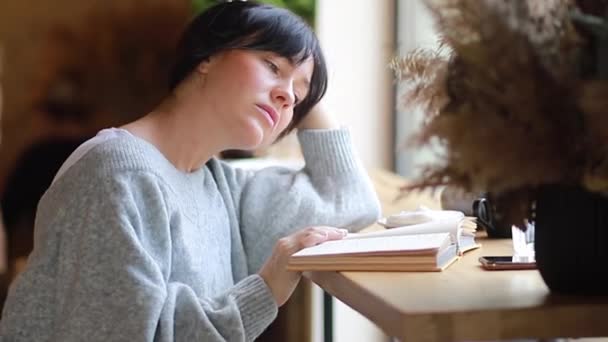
[495, 263]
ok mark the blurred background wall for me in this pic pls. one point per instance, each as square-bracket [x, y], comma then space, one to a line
[62, 63]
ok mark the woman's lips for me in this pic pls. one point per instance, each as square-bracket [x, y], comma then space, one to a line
[271, 114]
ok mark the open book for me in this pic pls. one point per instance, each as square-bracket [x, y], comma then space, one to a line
[429, 242]
[424, 221]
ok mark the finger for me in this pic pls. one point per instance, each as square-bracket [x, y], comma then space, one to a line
[336, 233]
[321, 234]
[313, 238]
[333, 233]
[291, 244]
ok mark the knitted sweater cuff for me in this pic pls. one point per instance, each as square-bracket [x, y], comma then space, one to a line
[330, 151]
[257, 305]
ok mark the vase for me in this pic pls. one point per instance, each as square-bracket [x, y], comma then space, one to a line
[571, 240]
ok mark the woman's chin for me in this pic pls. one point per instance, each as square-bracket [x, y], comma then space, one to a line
[254, 138]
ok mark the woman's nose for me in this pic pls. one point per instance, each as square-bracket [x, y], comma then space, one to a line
[283, 95]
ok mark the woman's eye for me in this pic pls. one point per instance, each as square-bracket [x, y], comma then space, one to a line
[273, 67]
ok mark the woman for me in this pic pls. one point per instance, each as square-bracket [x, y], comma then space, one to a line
[145, 236]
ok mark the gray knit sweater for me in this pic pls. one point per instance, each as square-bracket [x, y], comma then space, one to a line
[128, 248]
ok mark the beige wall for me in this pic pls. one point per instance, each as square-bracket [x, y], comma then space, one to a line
[357, 37]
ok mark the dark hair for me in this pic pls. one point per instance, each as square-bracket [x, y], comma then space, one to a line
[250, 25]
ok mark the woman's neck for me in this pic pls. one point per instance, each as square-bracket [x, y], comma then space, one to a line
[180, 133]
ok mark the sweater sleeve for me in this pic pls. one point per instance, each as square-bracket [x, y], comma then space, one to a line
[110, 278]
[332, 189]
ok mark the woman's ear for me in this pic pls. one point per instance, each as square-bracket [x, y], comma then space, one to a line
[203, 66]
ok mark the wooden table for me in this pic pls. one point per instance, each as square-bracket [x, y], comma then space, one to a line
[465, 302]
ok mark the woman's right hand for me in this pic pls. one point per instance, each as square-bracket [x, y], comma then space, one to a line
[281, 282]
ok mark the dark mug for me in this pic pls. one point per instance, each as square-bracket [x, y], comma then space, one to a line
[491, 219]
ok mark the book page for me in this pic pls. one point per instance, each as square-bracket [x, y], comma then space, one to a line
[407, 243]
[444, 225]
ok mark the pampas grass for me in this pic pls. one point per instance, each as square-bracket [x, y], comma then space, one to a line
[505, 98]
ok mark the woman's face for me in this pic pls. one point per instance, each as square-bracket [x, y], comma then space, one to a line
[253, 93]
